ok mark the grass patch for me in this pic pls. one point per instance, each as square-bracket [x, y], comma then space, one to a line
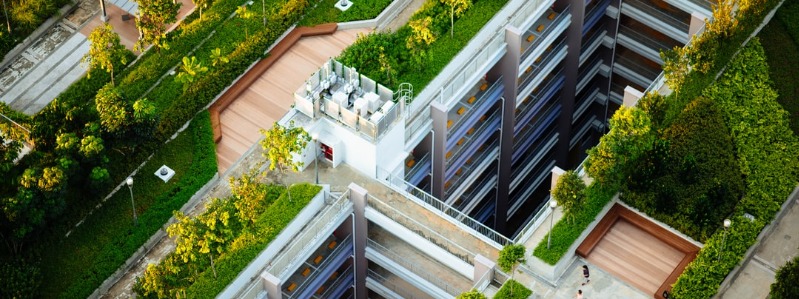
[326, 12]
[519, 291]
[73, 267]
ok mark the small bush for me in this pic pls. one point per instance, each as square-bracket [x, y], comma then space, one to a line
[785, 286]
[513, 290]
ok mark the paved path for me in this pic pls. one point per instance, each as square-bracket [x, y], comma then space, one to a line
[782, 245]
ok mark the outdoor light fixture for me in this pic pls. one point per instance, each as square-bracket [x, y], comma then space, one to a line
[727, 223]
[129, 182]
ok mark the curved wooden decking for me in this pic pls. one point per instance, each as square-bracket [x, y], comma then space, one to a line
[265, 93]
[640, 252]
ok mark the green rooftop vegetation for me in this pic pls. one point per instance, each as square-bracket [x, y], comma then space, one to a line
[713, 149]
[215, 246]
[99, 130]
[325, 12]
[418, 51]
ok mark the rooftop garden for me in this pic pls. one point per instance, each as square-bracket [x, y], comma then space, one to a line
[325, 12]
[215, 246]
[418, 51]
[713, 149]
[101, 129]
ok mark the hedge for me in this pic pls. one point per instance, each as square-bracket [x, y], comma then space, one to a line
[766, 150]
[74, 267]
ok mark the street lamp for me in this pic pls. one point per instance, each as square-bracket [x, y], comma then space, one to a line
[104, 17]
[316, 155]
[129, 182]
[552, 205]
[727, 223]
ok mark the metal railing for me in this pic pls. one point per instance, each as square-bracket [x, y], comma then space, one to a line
[310, 234]
[658, 12]
[345, 244]
[435, 205]
[421, 229]
[388, 284]
[427, 276]
[533, 223]
[552, 26]
[344, 276]
[652, 43]
[637, 66]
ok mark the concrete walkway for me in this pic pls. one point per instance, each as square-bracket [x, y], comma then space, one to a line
[780, 246]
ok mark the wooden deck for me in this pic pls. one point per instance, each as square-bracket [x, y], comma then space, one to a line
[635, 256]
[271, 95]
[637, 250]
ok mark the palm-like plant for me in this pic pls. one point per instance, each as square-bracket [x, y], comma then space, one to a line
[191, 70]
[245, 14]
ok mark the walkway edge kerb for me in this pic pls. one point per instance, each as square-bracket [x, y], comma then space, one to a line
[154, 239]
[249, 77]
[765, 233]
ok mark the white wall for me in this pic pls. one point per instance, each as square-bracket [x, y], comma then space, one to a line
[391, 147]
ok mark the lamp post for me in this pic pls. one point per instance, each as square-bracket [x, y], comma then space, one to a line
[316, 156]
[552, 205]
[129, 182]
[727, 223]
[104, 17]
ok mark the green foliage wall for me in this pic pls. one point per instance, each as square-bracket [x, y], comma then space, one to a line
[785, 286]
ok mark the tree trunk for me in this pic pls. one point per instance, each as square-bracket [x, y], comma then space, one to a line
[212, 263]
[452, 22]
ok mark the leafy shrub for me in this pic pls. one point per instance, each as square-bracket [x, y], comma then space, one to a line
[325, 12]
[766, 151]
[77, 265]
[513, 290]
[176, 274]
[785, 286]
[565, 233]
[690, 179]
[19, 279]
[473, 294]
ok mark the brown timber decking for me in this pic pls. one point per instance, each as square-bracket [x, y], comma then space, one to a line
[640, 252]
[266, 92]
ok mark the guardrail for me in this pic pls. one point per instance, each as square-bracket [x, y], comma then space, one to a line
[421, 230]
[446, 211]
[413, 268]
[387, 284]
[311, 233]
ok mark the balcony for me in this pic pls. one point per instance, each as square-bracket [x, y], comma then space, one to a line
[535, 178]
[466, 175]
[319, 269]
[478, 190]
[463, 118]
[418, 169]
[645, 43]
[389, 286]
[594, 14]
[543, 33]
[542, 122]
[660, 16]
[533, 107]
[541, 148]
[591, 44]
[531, 76]
[584, 102]
[588, 71]
[635, 69]
[480, 140]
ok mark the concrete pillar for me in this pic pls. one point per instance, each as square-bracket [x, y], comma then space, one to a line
[631, 96]
[697, 22]
[272, 285]
[509, 68]
[358, 199]
[557, 172]
[483, 265]
[571, 68]
[439, 114]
